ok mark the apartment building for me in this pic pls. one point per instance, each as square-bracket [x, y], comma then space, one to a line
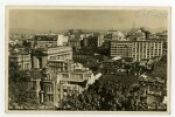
[146, 49]
[138, 50]
[121, 48]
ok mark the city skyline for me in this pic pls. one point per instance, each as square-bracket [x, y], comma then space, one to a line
[113, 62]
[56, 20]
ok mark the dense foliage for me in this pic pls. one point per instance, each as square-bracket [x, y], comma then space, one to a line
[108, 93]
[114, 92]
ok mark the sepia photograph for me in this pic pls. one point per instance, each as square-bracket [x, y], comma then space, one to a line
[88, 59]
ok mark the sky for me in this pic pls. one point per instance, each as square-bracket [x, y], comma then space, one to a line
[55, 20]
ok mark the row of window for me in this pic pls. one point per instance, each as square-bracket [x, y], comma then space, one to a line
[61, 57]
[60, 50]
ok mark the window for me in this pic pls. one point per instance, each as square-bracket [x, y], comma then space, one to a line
[65, 76]
[50, 98]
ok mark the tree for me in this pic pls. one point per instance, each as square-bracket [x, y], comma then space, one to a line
[108, 93]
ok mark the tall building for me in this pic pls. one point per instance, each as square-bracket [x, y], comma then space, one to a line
[48, 87]
[55, 89]
[138, 50]
[34, 82]
[62, 40]
[100, 39]
[146, 49]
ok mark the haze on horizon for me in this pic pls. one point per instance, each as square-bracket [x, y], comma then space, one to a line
[56, 20]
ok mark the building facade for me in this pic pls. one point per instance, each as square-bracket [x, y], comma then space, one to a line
[62, 40]
[55, 89]
[20, 61]
[45, 40]
[138, 50]
[121, 48]
[57, 66]
[41, 57]
[146, 49]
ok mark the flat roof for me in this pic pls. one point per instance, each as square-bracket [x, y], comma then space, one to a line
[138, 41]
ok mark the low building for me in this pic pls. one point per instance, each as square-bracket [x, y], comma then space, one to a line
[163, 36]
[73, 82]
[45, 40]
[154, 91]
[117, 66]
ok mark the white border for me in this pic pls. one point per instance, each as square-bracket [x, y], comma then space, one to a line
[154, 3]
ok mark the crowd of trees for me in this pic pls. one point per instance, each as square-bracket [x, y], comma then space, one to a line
[19, 95]
[109, 93]
[115, 92]
[160, 68]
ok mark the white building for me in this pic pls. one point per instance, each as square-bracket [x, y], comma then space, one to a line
[138, 50]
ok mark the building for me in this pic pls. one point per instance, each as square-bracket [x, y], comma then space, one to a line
[20, 59]
[34, 77]
[138, 50]
[62, 40]
[57, 66]
[74, 41]
[42, 56]
[146, 49]
[73, 82]
[90, 41]
[45, 40]
[117, 65]
[48, 87]
[49, 40]
[66, 83]
[119, 36]
[163, 35]
[100, 39]
[121, 48]
[153, 88]
[140, 34]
